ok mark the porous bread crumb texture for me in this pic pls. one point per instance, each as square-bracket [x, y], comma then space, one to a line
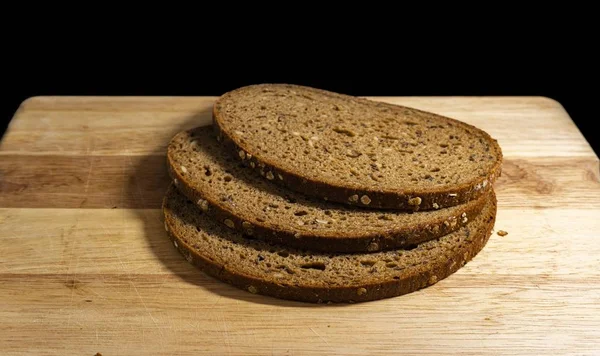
[358, 146]
[288, 273]
[221, 186]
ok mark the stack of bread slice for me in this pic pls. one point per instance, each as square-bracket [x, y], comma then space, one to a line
[304, 194]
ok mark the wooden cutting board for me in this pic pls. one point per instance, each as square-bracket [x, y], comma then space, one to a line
[86, 266]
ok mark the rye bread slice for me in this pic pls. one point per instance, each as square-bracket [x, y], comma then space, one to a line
[242, 200]
[356, 151]
[287, 273]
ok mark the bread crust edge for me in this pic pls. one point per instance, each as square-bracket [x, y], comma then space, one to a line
[349, 294]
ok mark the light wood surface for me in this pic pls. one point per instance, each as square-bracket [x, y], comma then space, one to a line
[86, 267]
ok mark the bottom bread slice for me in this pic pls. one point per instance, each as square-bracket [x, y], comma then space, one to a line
[289, 273]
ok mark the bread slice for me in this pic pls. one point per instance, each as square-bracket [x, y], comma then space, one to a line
[356, 151]
[244, 201]
[288, 273]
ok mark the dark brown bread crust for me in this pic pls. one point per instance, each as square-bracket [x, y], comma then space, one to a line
[415, 199]
[368, 290]
[342, 241]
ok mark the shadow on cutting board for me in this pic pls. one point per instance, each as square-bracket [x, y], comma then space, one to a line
[150, 175]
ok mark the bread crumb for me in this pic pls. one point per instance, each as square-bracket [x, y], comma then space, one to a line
[365, 200]
[183, 169]
[452, 195]
[270, 175]
[242, 155]
[436, 206]
[252, 289]
[175, 244]
[353, 198]
[502, 233]
[361, 291]
[464, 218]
[279, 176]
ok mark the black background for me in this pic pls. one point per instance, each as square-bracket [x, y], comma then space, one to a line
[569, 80]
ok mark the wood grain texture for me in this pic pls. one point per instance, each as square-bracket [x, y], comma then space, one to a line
[85, 265]
[78, 181]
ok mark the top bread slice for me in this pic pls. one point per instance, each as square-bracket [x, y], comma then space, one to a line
[244, 201]
[356, 151]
